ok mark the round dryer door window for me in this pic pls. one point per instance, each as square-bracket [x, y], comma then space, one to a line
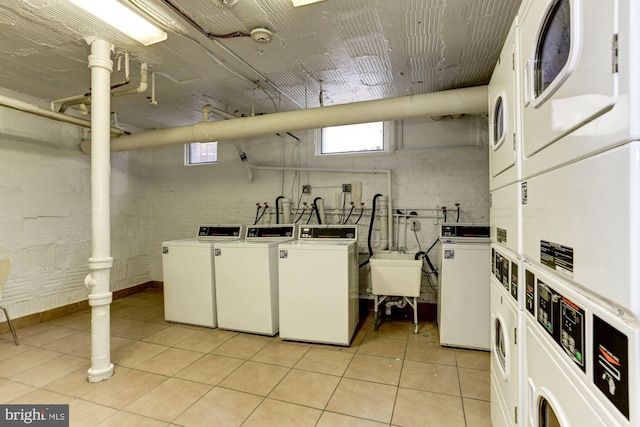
[498, 122]
[554, 44]
[499, 346]
[547, 416]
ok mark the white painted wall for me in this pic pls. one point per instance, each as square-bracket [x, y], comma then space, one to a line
[45, 208]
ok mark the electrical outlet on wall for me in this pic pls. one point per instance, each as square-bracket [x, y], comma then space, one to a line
[346, 188]
[306, 189]
[415, 224]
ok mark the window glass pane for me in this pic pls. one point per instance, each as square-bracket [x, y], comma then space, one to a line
[553, 47]
[203, 152]
[353, 138]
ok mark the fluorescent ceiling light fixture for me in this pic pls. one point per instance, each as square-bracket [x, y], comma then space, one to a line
[298, 3]
[124, 19]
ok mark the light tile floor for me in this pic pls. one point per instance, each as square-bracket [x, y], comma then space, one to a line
[179, 375]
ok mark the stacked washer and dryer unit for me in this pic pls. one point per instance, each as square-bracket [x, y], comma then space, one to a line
[507, 295]
[576, 70]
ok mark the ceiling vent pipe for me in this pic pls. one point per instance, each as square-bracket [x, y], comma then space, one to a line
[471, 100]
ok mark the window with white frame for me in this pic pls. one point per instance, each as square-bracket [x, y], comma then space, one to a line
[355, 139]
[200, 153]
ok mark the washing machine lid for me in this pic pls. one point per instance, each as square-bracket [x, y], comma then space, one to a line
[348, 233]
[256, 243]
[317, 245]
[277, 232]
[220, 232]
[194, 242]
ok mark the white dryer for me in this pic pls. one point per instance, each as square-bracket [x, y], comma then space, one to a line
[504, 154]
[504, 115]
[318, 279]
[579, 70]
[247, 279]
[581, 359]
[583, 221]
[188, 275]
[507, 338]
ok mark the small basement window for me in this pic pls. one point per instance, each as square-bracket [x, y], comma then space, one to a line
[354, 139]
[201, 153]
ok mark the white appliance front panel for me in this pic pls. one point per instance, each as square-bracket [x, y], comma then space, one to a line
[189, 285]
[504, 111]
[593, 107]
[601, 362]
[464, 298]
[318, 293]
[583, 222]
[507, 358]
[247, 287]
[550, 378]
[505, 216]
[584, 88]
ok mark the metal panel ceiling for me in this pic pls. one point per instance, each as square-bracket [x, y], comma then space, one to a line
[332, 52]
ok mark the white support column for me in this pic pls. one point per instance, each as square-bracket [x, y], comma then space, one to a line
[101, 261]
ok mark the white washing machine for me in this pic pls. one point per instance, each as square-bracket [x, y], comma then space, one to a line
[246, 273]
[507, 338]
[319, 285]
[580, 68]
[581, 359]
[504, 115]
[188, 275]
[583, 221]
[464, 298]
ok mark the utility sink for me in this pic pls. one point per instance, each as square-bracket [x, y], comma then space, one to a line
[395, 273]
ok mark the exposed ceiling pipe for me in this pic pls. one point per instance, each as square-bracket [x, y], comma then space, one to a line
[142, 87]
[19, 105]
[457, 101]
[86, 98]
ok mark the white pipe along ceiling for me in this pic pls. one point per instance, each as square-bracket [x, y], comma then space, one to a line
[470, 100]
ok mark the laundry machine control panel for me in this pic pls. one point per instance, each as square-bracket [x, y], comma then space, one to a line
[564, 320]
[515, 272]
[611, 363]
[328, 232]
[530, 280]
[219, 231]
[462, 232]
[274, 231]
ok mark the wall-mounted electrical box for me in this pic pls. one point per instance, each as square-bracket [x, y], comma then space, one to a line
[346, 188]
[306, 189]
